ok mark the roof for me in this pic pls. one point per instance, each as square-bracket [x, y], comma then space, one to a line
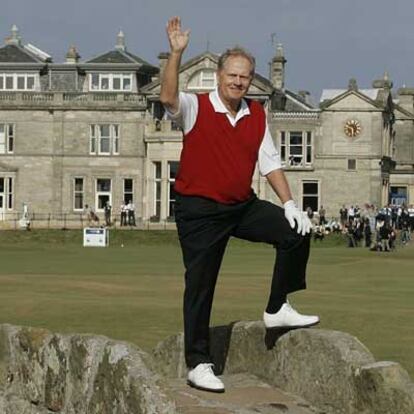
[296, 102]
[18, 54]
[328, 94]
[118, 56]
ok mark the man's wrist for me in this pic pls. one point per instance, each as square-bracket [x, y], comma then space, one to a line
[177, 53]
[289, 203]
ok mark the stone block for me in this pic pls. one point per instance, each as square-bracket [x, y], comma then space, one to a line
[72, 374]
[386, 387]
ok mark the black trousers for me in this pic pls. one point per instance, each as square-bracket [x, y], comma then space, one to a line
[204, 228]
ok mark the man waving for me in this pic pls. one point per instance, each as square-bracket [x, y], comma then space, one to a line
[225, 135]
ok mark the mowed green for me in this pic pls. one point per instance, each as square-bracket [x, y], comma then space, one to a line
[134, 292]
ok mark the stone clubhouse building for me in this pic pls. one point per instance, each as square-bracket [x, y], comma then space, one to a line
[79, 134]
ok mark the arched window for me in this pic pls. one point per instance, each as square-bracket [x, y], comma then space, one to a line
[203, 79]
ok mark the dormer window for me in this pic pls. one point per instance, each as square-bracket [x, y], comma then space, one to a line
[110, 82]
[203, 79]
[17, 82]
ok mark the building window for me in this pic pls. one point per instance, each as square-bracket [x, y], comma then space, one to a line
[110, 82]
[310, 195]
[128, 190]
[296, 148]
[352, 164]
[104, 139]
[6, 194]
[78, 195]
[10, 191]
[6, 138]
[204, 79]
[308, 147]
[17, 82]
[157, 189]
[172, 173]
[398, 195]
[2, 197]
[103, 193]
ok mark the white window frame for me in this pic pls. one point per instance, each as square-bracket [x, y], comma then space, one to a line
[123, 78]
[157, 167]
[8, 193]
[99, 193]
[130, 194]
[171, 182]
[317, 195]
[96, 137]
[15, 79]
[202, 76]
[286, 146]
[2, 205]
[8, 139]
[76, 192]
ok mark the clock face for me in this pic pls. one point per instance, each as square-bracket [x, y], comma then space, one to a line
[352, 128]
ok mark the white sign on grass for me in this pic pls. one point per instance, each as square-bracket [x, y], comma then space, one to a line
[95, 237]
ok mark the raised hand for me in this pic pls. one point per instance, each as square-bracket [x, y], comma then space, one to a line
[177, 37]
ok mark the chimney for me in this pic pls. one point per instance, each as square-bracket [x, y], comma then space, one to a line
[15, 38]
[162, 59]
[384, 83]
[120, 42]
[405, 98]
[352, 85]
[277, 68]
[72, 57]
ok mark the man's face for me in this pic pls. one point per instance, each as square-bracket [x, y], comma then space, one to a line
[234, 79]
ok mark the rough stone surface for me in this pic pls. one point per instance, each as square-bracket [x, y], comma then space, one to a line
[387, 387]
[304, 371]
[245, 394]
[44, 373]
[331, 370]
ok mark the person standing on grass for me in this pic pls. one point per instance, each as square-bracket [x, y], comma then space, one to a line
[224, 136]
[322, 216]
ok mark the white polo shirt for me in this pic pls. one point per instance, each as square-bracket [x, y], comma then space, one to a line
[186, 116]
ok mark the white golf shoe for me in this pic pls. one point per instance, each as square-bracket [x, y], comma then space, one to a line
[287, 317]
[202, 377]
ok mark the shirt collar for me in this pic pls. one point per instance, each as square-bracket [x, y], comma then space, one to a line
[219, 106]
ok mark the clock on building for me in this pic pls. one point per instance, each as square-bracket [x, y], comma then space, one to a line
[352, 128]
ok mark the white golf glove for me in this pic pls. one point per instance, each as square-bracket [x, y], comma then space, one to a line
[293, 214]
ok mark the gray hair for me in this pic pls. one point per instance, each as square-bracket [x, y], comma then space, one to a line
[233, 52]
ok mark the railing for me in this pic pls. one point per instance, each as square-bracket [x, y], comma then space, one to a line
[75, 97]
[37, 97]
[72, 99]
[36, 220]
[7, 96]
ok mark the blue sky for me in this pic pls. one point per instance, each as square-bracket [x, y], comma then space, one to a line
[326, 42]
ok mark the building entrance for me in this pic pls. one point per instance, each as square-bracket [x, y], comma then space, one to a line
[398, 195]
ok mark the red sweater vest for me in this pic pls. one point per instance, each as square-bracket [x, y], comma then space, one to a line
[218, 160]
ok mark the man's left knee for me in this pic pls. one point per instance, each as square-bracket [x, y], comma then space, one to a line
[293, 240]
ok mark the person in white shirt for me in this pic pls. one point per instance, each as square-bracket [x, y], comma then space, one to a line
[224, 136]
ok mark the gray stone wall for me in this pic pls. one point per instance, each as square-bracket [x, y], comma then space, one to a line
[51, 147]
[404, 145]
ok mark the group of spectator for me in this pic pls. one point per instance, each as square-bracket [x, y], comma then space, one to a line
[127, 213]
[377, 229]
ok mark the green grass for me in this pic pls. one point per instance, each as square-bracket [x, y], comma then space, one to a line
[134, 292]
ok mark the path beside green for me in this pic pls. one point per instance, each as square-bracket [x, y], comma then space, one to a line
[134, 292]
